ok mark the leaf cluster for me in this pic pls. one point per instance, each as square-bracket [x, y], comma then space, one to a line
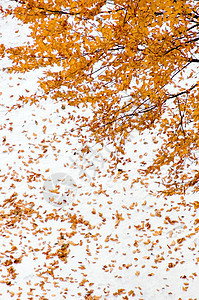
[132, 64]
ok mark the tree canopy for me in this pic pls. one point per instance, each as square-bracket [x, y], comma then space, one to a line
[133, 65]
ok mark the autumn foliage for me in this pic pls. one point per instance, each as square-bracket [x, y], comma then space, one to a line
[129, 65]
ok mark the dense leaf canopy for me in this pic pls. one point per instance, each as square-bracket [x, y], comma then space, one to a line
[132, 65]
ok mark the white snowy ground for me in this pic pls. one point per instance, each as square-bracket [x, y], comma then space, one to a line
[108, 241]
